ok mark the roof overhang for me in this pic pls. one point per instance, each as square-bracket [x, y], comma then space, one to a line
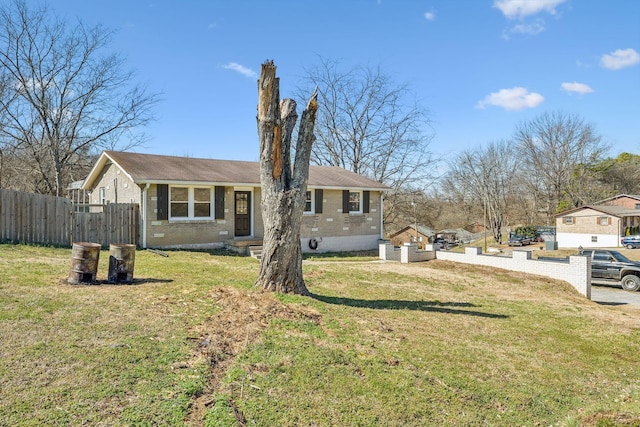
[605, 210]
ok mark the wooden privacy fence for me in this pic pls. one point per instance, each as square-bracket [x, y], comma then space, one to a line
[49, 220]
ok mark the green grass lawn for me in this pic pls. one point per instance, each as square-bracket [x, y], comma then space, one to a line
[191, 342]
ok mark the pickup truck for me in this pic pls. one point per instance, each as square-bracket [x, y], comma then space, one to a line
[611, 267]
[631, 242]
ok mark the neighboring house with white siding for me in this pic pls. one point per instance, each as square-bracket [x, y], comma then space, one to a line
[598, 225]
[206, 203]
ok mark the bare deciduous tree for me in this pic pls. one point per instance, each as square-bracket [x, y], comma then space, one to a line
[283, 186]
[484, 177]
[65, 98]
[552, 146]
[369, 126]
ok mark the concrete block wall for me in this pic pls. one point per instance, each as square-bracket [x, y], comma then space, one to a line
[340, 243]
[389, 252]
[576, 270]
[409, 252]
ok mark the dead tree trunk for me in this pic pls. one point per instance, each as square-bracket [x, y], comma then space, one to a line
[283, 186]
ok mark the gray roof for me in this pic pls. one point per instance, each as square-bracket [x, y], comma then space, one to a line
[153, 168]
[618, 196]
[422, 229]
[618, 211]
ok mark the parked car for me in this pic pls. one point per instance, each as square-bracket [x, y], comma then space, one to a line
[611, 267]
[518, 240]
[442, 243]
[631, 242]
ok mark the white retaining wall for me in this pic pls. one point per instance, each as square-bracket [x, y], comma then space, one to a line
[576, 270]
[407, 253]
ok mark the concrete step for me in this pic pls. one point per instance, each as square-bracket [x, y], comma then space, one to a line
[241, 245]
[255, 252]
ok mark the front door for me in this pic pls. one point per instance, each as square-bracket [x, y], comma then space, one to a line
[243, 213]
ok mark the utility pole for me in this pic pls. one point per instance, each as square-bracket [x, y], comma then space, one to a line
[485, 225]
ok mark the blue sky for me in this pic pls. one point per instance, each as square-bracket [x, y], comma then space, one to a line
[479, 66]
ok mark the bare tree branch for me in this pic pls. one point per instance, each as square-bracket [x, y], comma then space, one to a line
[65, 99]
[552, 146]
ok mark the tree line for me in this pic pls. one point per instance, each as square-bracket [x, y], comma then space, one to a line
[64, 98]
[371, 125]
[552, 163]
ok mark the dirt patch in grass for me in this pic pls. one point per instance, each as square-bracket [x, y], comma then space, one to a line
[242, 317]
[617, 420]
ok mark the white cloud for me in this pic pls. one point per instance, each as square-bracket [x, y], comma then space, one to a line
[247, 72]
[528, 29]
[212, 26]
[514, 99]
[430, 16]
[620, 58]
[514, 9]
[576, 87]
[532, 29]
[30, 85]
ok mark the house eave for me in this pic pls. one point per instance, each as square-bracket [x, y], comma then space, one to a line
[98, 167]
[142, 182]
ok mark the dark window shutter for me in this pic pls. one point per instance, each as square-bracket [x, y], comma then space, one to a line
[162, 210]
[365, 201]
[319, 197]
[345, 201]
[219, 200]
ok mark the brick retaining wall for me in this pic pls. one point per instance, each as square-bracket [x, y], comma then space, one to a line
[576, 270]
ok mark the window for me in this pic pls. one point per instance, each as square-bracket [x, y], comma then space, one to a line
[602, 256]
[637, 205]
[594, 239]
[354, 202]
[190, 202]
[568, 220]
[202, 202]
[309, 202]
[603, 220]
[179, 202]
[102, 195]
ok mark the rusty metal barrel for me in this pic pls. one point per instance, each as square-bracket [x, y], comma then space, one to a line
[84, 263]
[122, 258]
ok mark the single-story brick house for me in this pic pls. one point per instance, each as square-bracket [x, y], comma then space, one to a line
[598, 225]
[408, 234]
[206, 203]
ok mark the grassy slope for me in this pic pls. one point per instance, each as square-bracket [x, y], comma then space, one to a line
[379, 344]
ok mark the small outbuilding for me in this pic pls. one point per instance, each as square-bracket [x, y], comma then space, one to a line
[412, 234]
